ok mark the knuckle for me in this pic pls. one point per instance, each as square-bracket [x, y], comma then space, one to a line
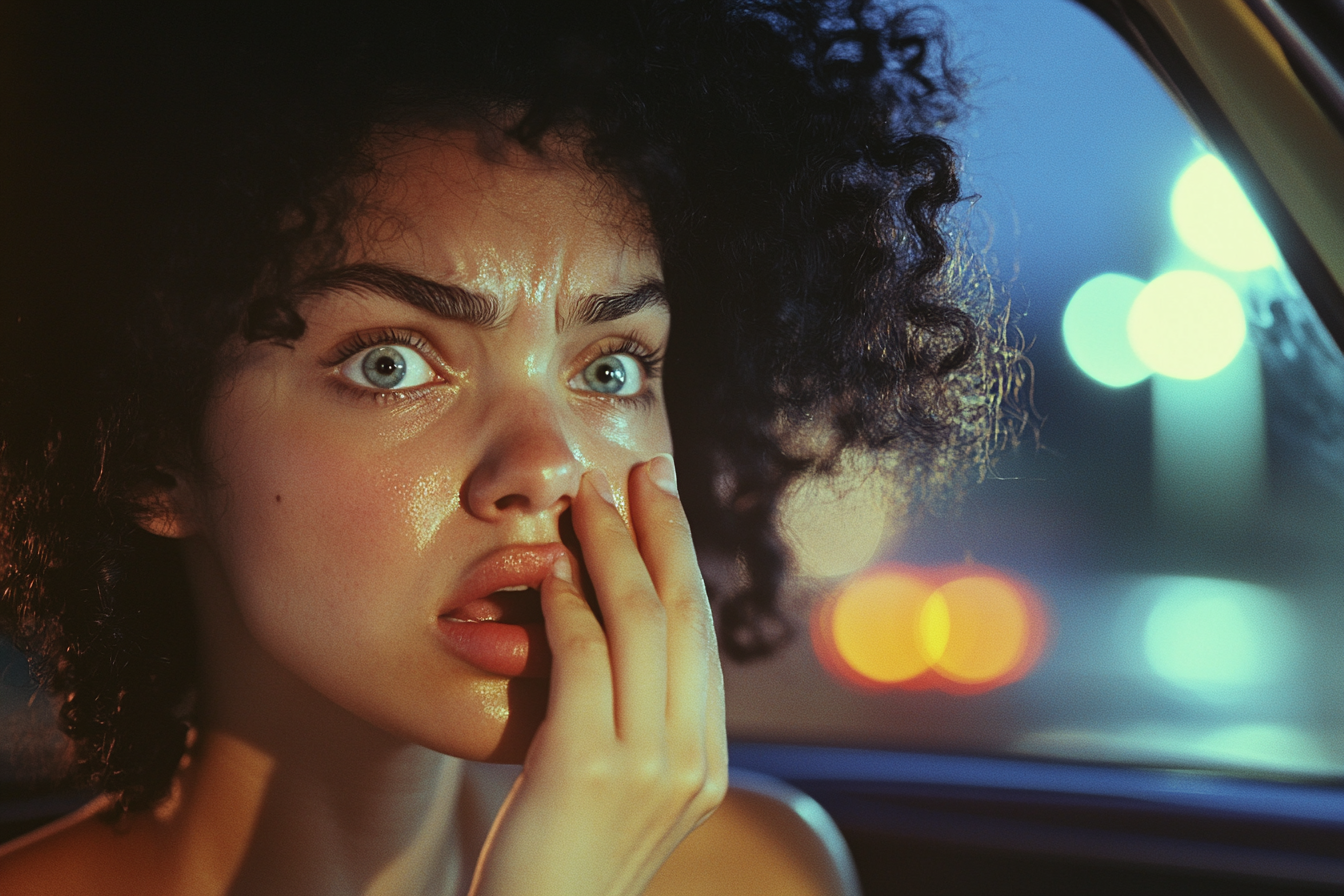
[599, 773]
[584, 646]
[651, 771]
[689, 772]
[647, 610]
[713, 791]
[690, 778]
[691, 617]
[690, 600]
[718, 765]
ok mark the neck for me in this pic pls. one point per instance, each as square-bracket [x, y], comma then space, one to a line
[323, 807]
[287, 792]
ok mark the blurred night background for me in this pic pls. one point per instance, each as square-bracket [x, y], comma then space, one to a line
[1152, 576]
[1178, 532]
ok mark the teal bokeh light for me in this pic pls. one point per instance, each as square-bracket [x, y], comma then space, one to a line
[1215, 219]
[1215, 636]
[1094, 330]
[1187, 324]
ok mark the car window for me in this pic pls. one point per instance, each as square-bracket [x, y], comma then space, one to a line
[1153, 575]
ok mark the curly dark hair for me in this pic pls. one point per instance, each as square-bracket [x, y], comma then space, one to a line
[174, 172]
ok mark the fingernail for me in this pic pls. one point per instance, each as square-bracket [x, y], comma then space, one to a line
[562, 570]
[599, 480]
[663, 473]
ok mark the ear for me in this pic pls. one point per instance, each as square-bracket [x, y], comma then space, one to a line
[168, 505]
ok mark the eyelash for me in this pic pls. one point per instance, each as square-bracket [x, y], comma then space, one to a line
[652, 361]
[370, 339]
[649, 359]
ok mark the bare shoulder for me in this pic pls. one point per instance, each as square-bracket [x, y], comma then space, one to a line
[75, 854]
[766, 838]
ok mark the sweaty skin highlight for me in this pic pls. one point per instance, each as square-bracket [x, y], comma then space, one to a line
[473, 282]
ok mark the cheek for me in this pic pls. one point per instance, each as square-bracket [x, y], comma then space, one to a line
[323, 523]
[427, 501]
[623, 431]
[617, 441]
[639, 429]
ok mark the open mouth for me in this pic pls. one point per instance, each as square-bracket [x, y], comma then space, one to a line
[513, 605]
[493, 620]
[502, 633]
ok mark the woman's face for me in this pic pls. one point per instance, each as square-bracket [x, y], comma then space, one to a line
[382, 489]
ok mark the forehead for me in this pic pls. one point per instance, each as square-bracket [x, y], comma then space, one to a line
[477, 210]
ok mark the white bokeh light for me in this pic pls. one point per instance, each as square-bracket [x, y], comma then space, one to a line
[1215, 219]
[1094, 330]
[1187, 324]
[835, 525]
[1217, 636]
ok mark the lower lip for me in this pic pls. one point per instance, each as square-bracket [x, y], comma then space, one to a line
[512, 651]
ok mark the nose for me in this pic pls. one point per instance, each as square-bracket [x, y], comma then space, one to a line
[528, 466]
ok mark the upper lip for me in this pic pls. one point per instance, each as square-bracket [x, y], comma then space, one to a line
[505, 567]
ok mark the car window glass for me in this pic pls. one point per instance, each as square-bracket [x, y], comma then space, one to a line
[1153, 576]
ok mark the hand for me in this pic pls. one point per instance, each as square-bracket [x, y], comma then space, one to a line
[632, 755]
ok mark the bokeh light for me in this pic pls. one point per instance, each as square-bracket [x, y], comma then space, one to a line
[1215, 219]
[836, 524]
[1095, 330]
[875, 628]
[897, 626]
[992, 623]
[1266, 745]
[1216, 636]
[1187, 324]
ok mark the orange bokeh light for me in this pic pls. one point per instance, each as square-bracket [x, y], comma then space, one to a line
[875, 629]
[964, 629]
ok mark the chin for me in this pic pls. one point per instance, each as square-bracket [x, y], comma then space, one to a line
[527, 698]
[515, 709]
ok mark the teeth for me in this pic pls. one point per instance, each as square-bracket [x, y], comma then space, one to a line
[515, 588]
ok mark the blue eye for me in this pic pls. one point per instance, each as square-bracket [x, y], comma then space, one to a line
[619, 374]
[388, 367]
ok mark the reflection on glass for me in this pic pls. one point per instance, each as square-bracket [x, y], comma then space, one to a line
[1266, 747]
[1182, 518]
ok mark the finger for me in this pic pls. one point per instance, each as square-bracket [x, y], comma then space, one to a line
[635, 621]
[665, 543]
[716, 727]
[581, 696]
[715, 747]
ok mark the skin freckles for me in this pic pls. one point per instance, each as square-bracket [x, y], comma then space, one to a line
[391, 495]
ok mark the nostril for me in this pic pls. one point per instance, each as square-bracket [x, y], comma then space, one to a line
[522, 472]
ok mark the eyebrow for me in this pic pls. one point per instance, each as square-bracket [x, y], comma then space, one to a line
[439, 299]
[596, 309]
[481, 310]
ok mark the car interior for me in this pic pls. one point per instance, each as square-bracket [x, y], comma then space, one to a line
[1113, 663]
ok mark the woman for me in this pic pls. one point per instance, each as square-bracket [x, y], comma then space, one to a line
[355, 462]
